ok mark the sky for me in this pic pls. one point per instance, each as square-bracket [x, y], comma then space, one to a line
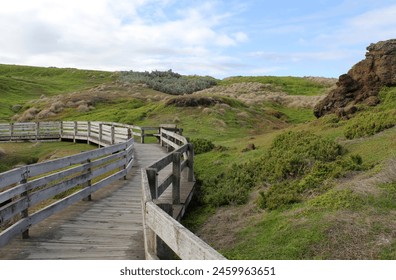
[217, 38]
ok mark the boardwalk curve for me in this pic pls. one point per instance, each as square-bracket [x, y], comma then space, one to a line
[108, 227]
[131, 218]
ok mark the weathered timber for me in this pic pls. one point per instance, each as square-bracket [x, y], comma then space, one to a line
[163, 187]
[183, 242]
[162, 231]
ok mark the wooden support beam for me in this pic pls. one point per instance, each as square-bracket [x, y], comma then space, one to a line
[25, 212]
[176, 171]
[190, 156]
[152, 176]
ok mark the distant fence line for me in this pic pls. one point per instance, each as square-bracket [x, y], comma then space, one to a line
[101, 133]
[23, 188]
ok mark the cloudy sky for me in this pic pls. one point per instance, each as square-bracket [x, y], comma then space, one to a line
[218, 37]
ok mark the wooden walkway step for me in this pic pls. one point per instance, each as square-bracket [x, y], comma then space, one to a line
[108, 227]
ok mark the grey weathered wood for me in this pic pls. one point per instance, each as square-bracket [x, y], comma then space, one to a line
[111, 160]
[176, 173]
[105, 228]
[165, 184]
[190, 156]
[162, 163]
[163, 250]
[183, 242]
[173, 235]
[174, 135]
[36, 183]
[152, 179]
[170, 143]
[11, 177]
[105, 134]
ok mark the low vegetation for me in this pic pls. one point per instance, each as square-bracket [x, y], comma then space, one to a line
[19, 154]
[275, 183]
[370, 122]
[168, 81]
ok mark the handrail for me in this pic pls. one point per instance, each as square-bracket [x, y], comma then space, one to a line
[23, 188]
[26, 186]
[164, 235]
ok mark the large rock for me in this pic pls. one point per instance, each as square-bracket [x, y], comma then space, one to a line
[363, 82]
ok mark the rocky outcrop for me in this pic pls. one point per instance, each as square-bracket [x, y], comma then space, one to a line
[363, 82]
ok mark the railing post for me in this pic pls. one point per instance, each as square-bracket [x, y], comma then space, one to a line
[25, 212]
[100, 133]
[152, 176]
[88, 131]
[89, 182]
[126, 159]
[74, 131]
[11, 130]
[112, 134]
[160, 137]
[162, 249]
[176, 178]
[190, 155]
[37, 130]
[60, 130]
[142, 136]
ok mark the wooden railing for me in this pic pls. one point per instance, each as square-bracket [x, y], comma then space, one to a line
[163, 234]
[23, 189]
[101, 133]
[146, 131]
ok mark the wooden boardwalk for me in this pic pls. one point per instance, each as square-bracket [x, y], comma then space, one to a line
[108, 227]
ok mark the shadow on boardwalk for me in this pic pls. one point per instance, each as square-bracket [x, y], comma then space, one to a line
[108, 227]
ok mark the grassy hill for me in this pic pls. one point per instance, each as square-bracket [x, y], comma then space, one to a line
[275, 182]
[19, 84]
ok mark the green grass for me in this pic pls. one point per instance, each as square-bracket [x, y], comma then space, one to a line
[374, 120]
[325, 222]
[16, 154]
[278, 237]
[290, 85]
[293, 115]
[339, 224]
[19, 84]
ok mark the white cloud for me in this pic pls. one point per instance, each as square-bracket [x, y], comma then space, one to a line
[379, 24]
[115, 34]
[361, 29]
[299, 56]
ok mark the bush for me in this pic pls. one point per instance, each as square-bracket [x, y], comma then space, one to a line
[293, 154]
[279, 195]
[337, 199]
[297, 164]
[370, 123]
[231, 187]
[168, 81]
[202, 145]
[377, 119]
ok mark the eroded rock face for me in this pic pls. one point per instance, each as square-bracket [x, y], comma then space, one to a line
[363, 82]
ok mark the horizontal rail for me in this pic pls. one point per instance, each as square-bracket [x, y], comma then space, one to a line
[68, 179]
[101, 133]
[24, 187]
[162, 232]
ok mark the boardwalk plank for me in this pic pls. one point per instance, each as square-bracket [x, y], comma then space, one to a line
[108, 227]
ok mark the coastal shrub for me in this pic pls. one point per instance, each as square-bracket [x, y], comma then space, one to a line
[337, 199]
[376, 119]
[296, 163]
[168, 81]
[202, 145]
[370, 123]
